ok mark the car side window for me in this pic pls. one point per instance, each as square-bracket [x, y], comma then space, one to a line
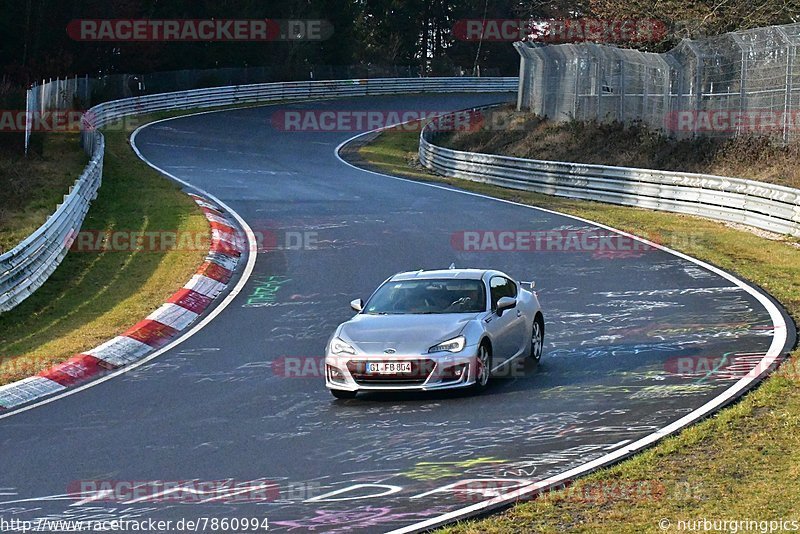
[501, 287]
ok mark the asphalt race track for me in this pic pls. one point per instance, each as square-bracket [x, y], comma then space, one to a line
[226, 403]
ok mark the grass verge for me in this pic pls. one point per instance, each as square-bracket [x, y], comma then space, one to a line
[743, 463]
[93, 296]
[524, 135]
[32, 187]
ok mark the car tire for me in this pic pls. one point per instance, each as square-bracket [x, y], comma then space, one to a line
[537, 339]
[484, 360]
[343, 394]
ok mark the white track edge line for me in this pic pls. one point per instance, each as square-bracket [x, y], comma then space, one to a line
[246, 273]
[778, 342]
[236, 290]
[697, 414]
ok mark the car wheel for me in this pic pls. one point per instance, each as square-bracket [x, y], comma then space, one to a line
[343, 394]
[537, 339]
[484, 367]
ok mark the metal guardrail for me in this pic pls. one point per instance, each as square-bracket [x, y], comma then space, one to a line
[25, 268]
[108, 112]
[28, 265]
[270, 92]
[770, 207]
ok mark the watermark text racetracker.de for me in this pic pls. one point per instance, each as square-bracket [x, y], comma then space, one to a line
[598, 492]
[60, 121]
[756, 121]
[209, 30]
[160, 241]
[731, 366]
[573, 30]
[314, 367]
[405, 120]
[130, 492]
[599, 242]
[350, 120]
[199, 524]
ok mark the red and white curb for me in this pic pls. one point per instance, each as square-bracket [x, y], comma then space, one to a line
[153, 332]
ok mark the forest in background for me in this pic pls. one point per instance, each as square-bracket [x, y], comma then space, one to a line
[413, 33]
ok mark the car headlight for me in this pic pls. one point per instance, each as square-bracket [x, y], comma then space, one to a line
[451, 345]
[339, 346]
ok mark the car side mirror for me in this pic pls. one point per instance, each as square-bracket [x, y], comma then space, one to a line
[357, 305]
[505, 303]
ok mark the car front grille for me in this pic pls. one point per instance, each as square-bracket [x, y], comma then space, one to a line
[420, 371]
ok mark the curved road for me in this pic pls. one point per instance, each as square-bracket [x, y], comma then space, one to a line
[226, 403]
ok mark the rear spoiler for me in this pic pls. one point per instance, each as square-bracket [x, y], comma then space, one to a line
[530, 284]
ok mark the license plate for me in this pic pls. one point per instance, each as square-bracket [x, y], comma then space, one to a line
[389, 368]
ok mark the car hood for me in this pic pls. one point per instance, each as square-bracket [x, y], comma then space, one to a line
[406, 333]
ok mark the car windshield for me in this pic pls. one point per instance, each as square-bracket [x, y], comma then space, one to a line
[428, 296]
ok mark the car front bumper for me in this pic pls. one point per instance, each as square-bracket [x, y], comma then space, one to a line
[429, 372]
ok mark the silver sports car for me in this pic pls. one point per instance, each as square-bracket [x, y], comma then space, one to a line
[425, 330]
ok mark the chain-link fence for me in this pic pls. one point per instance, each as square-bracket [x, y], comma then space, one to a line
[736, 83]
[55, 95]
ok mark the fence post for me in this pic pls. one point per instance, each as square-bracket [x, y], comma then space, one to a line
[645, 77]
[540, 79]
[27, 120]
[697, 82]
[791, 51]
[742, 79]
[578, 61]
[667, 96]
[621, 103]
[670, 66]
[523, 74]
[743, 100]
[598, 86]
